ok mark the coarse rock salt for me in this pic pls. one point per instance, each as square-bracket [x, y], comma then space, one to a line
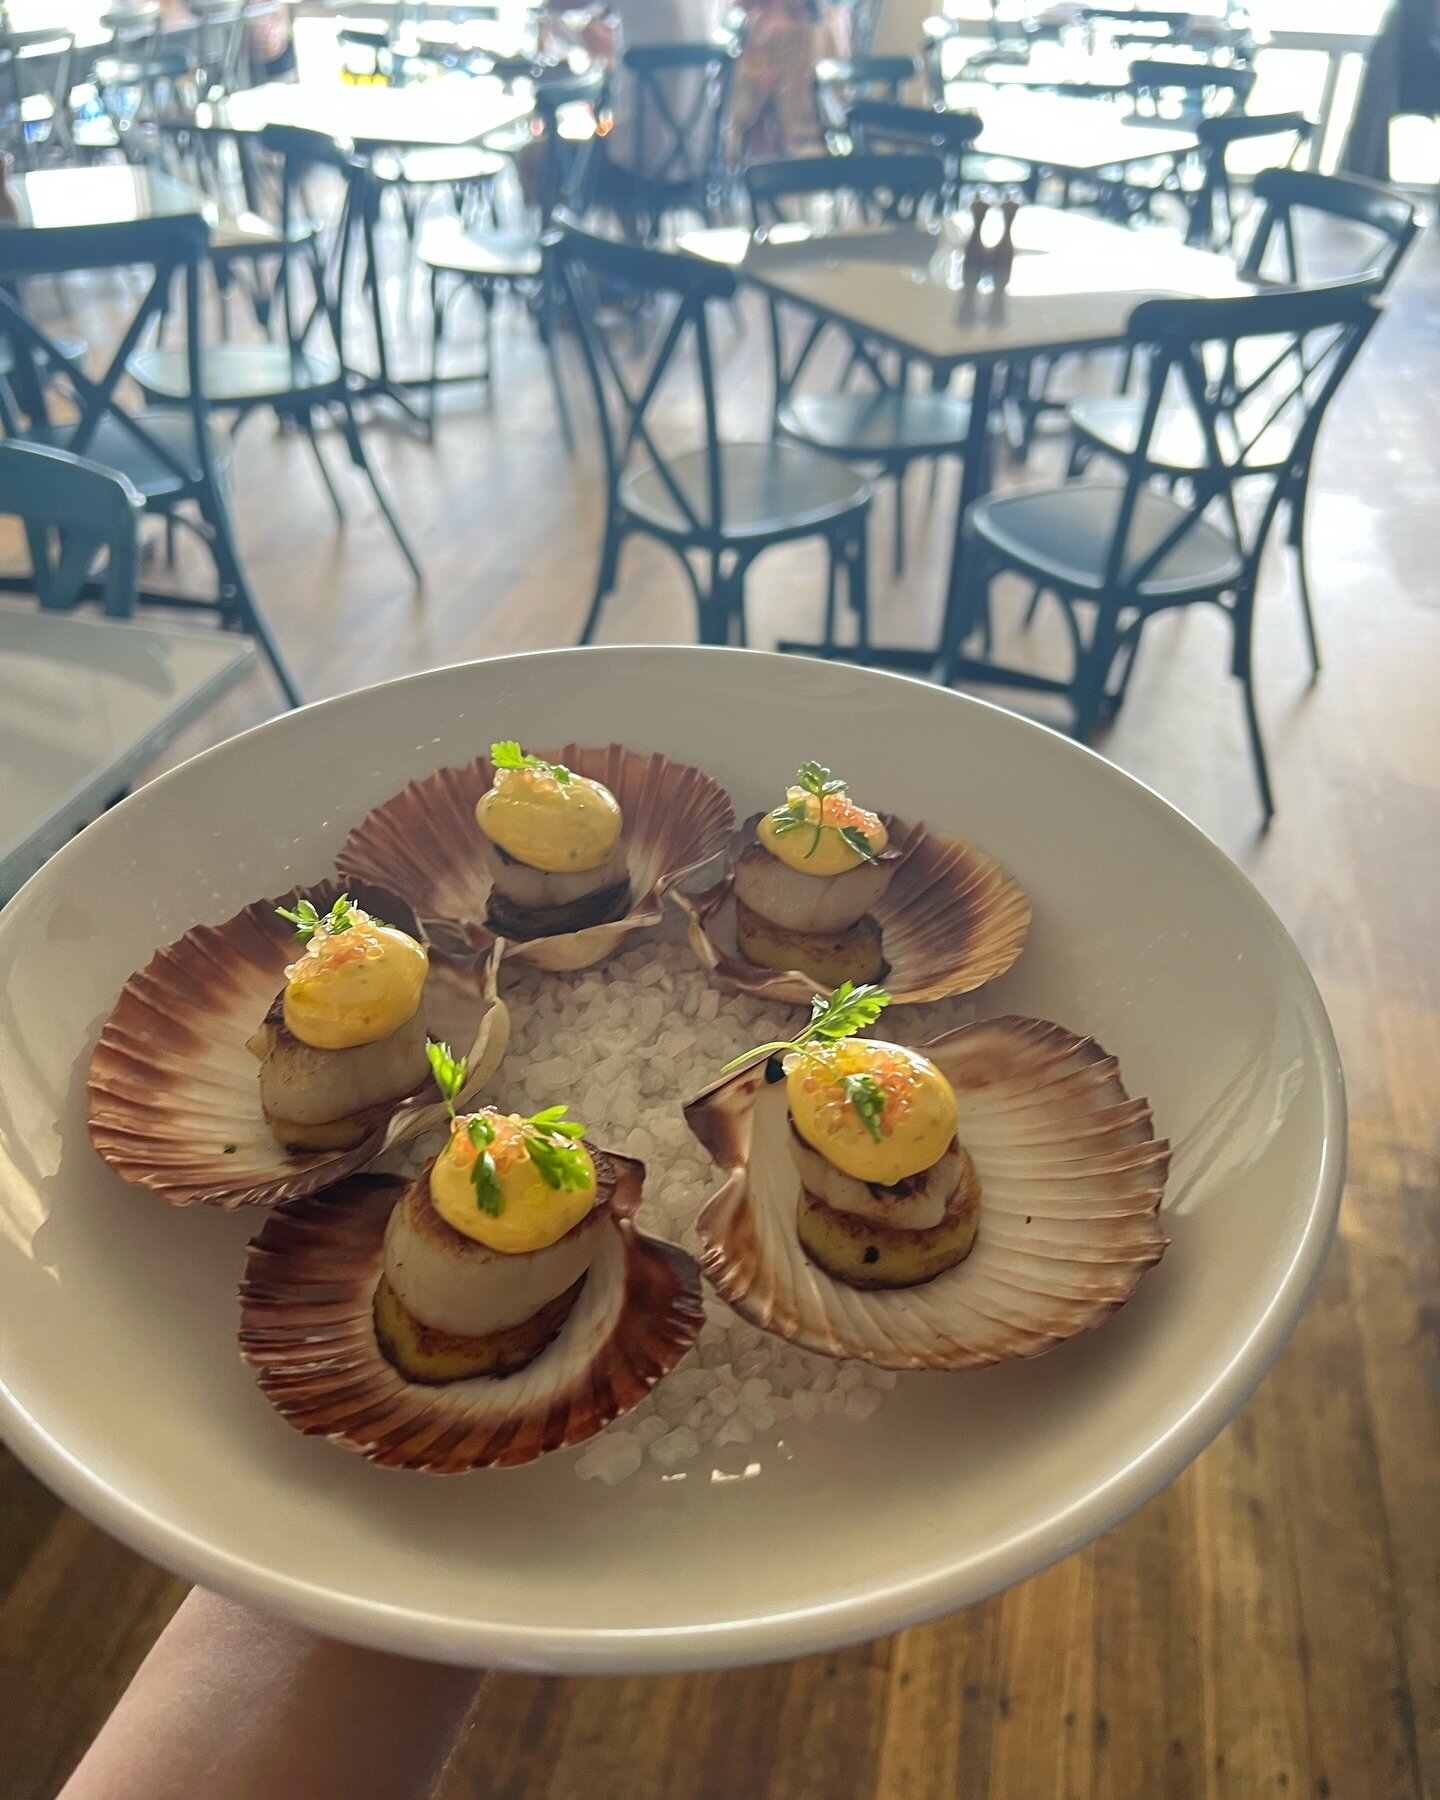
[625, 1046]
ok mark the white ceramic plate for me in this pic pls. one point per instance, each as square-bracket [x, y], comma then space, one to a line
[120, 1384]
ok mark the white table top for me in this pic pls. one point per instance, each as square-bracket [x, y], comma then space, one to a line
[85, 704]
[444, 113]
[1076, 280]
[1056, 131]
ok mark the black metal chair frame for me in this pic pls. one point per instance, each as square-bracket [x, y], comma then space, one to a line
[1281, 193]
[623, 402]
[879, 189]
[883, 125]
[562, 178]
[71, 510]
[669, 174]
[173, 250]
[840, 83]
[15, 49]
[1320, 332]
[308, 394]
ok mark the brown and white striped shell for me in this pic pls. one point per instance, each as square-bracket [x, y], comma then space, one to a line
[1071, 1176]
[174, 1094]
[424, 843]
[950, 921]
[307, 1329]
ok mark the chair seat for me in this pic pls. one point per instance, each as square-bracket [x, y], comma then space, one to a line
[113, 447]
[494, 255]
[879, 426]
[1177, 446]
[440, 166]
[767, 491]
[236, 374]
[1062, 535]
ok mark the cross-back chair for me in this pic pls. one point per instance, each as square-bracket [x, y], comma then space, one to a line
[717, 503]
[880, 424]
[841, 82]
[674, 135]
[34, 115]
[307, 378]
[883, 125]
[1255, 374]
[1108, 425]
[168, 454]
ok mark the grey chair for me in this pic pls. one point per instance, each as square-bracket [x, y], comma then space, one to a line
[1116, 553]
[73, 511]
[1386, 225]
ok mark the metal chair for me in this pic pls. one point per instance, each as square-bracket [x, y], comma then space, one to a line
[882, 125]
[34, 116]
[673, 138]
[490, 258]
[72, 511]
[308, 376]
[883, 425]
[723, 503]
[841, 83]
[1121, 552]
[168, 454]
[1109, 425]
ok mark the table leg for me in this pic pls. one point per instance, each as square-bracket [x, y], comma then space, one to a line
[974, 481]
[1333, 64]
[974, 484]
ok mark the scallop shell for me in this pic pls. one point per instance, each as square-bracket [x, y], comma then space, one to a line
[174, 1095]
[1071, 1176]
[425, 843]
[950, 921]
[307, 1330]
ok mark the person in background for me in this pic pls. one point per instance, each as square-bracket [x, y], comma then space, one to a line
[272, 46]
[1402, 75]
[773, 113]
[232, 1706]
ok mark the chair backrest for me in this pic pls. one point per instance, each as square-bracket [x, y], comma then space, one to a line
[871, 187]
[1203, 88]
[839, 83]
[593, 269]
[173, 249]
[72, 510]
[875, 124]
[681, 96]
[1216, 135]
[1388, 221]
[1255, 375]
[301, 151]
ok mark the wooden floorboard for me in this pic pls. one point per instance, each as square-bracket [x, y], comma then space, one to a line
[1268, 1625]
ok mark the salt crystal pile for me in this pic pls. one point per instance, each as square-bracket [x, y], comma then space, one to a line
[625, 1046]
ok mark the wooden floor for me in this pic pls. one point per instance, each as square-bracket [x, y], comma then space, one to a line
[1267, 1626]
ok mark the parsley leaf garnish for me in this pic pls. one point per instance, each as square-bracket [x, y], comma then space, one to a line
[508, 755]
[868, 1098]
[550, 1137]
[307, 921]
[848, 1010]
[817, 783]
[449, 1072]
[484, 1176]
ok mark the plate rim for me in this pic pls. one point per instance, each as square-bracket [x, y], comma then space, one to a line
[884, 1606]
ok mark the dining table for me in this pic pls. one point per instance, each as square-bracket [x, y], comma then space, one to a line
[446, 113]
[85, 706]
[900, 287]
[1065, 134]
